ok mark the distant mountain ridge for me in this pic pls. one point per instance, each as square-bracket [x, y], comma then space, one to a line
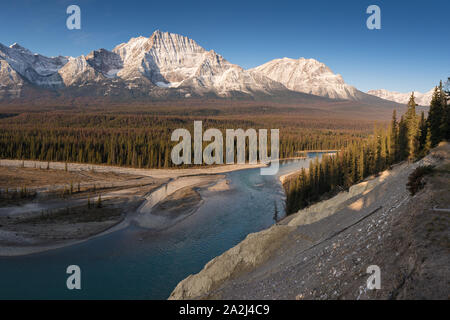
[165, 65]
[309, 76]
[422, 99]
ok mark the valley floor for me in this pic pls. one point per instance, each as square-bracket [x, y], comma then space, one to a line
[323, 252]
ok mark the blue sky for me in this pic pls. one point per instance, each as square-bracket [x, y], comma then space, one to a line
[410, 52]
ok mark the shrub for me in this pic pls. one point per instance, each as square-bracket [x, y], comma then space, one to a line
[415, 179]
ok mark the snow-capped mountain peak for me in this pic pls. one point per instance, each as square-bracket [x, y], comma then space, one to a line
[308, 76]
[171, 60]
[163, 61]
[163, 57]
[167, 64]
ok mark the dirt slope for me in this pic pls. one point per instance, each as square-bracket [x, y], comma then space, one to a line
[323, 252]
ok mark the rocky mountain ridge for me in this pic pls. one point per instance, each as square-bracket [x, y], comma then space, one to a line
[166, 65]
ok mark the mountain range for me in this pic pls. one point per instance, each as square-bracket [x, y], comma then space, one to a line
[422, 99]
[167, 65]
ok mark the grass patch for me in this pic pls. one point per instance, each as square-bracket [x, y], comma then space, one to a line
[75, 215]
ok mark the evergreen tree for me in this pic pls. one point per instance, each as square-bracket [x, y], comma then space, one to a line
[393, 147]
[427, 145]
[435, 116]
[403, 140]
[357, 161]
[445, 124]
[411, 123]
[421, 137]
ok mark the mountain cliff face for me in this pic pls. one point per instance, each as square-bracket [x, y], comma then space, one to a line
[422, 99]
[37, 69]
[10, 81]
[166, 65]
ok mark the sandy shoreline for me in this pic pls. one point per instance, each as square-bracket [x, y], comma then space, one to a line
[155, 173]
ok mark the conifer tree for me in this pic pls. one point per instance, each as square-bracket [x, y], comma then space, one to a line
[403, 140]
[421, 137]
[444, 98]
[427, 145]
[435, 117]
[411, 122]
[394, 152]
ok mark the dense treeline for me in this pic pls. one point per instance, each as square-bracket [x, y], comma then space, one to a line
[409, 138]
[144, 140]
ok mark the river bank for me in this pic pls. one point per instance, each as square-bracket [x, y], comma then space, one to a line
[322, 252]
[63, 214]
[155, 173]
[152, 262]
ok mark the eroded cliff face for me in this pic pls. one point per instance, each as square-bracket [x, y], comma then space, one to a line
[254, 250]
[322, 251]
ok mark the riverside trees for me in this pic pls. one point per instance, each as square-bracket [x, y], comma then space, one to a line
[410, 138]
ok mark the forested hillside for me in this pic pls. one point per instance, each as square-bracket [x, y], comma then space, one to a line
[142, 140]
[409, 138]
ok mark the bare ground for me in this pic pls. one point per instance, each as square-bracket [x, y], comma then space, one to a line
[17, 177]
[50, 205]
